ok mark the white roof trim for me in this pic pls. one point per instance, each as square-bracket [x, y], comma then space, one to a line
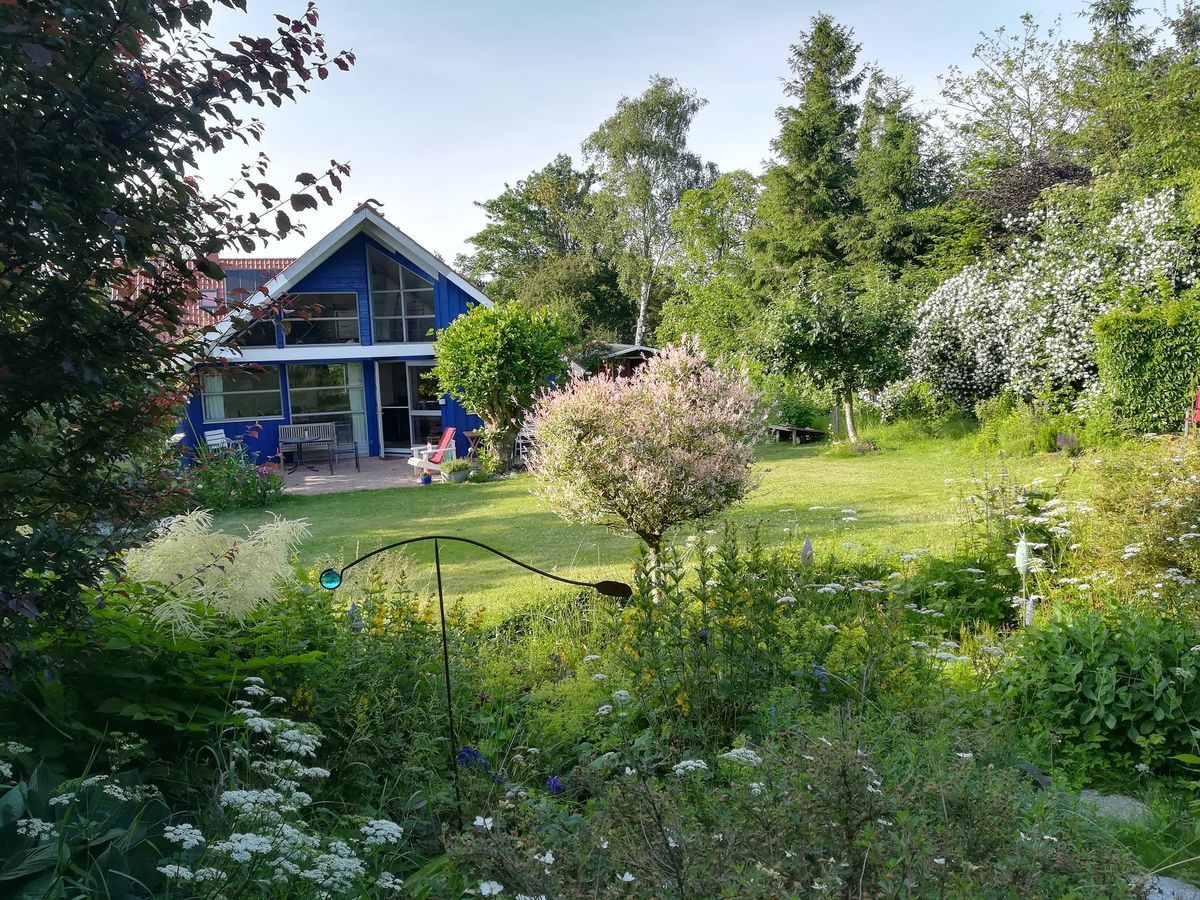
[331, 352]
[375, 226]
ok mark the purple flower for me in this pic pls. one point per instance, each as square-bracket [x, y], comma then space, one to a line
[554, 785]
[472, 758]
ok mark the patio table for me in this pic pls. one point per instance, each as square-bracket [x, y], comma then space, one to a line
[299, 460]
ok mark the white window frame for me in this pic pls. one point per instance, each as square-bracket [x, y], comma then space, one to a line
[357, 319]
[403, 294]
[277, 391]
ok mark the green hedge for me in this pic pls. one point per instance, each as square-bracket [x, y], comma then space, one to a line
[1149, 362]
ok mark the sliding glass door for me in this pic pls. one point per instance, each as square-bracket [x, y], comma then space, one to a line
[409, 411]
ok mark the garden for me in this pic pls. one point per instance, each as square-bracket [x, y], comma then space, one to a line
[952, 651]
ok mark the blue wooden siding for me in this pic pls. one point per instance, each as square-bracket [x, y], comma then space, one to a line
[345, 271]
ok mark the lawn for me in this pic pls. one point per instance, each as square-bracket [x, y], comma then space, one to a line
[901, 498]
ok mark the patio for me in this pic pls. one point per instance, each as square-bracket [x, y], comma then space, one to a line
[375, 473]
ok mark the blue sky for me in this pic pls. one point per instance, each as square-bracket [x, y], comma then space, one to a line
[451, 99]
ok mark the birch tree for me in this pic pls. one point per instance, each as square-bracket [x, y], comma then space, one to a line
[645, 166]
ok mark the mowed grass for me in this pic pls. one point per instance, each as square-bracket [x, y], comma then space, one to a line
[900, 498]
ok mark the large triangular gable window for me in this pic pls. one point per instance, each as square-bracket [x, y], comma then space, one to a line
[401, 301]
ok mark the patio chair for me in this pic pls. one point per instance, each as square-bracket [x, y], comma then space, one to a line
[523, 443]
[345, 446]
[217, 440]
[428, 459]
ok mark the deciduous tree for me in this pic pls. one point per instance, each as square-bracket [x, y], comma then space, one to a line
[495, 361]
[844, 333]
[715, 298]
[645, 166]
[541, 218]
[103, 226]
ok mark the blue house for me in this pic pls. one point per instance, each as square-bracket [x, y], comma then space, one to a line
[351, 345]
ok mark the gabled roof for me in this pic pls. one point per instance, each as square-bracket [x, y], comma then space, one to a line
[369, 221]
[615, 350]
[207, 294]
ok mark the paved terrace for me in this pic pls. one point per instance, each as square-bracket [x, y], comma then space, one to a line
[376, 473]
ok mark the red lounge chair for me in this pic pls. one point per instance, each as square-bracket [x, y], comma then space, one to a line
[1192, 420]
[427, 459]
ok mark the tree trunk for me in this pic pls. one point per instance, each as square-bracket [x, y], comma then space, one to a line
[502, 446]
[643, 305]
[848, 407]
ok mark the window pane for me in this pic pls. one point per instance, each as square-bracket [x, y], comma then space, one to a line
[389, 331]
[320, 331]
[259, 333]
[325, 306]
[386, 304]
[240, 378]
[419, 303]
[322, 400]
[423, 388]
[413, 281]
[384, 272]
[318, 376]
[426, 429]
[393, 385]
[356, 422]
[395, 428]
[242, 406]
[241, 283]
[418, 330]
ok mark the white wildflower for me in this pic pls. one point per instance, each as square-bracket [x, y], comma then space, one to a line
[744, 756]
[186, 836]
[688, 766]
[381, 831]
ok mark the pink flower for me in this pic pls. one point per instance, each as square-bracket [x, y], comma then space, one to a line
[671, 443]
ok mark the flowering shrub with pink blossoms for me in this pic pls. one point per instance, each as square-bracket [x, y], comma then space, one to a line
[669, 444]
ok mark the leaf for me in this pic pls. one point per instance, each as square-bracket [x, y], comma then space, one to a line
[283, 223]
[37, 54]
[22, 864]
[12, 806]
[1190, 758]
[304, 201]
[306, 178]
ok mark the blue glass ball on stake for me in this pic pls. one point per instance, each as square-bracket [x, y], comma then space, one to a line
[331, 579]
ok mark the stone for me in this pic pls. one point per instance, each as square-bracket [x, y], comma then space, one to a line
[1159, 887]
[1117, 807]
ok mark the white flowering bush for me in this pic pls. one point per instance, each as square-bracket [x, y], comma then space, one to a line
[203, 571]
[1023, 320]
[266, 840]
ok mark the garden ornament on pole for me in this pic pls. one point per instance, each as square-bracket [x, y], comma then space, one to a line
[331, 580]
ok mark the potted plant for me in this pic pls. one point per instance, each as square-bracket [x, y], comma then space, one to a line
[456, 470]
